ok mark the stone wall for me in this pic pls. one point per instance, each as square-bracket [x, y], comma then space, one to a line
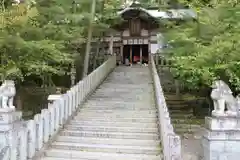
[22, 140]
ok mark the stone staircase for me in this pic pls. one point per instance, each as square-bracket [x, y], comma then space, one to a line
[185, 123]
[183, 120]
[117, 122]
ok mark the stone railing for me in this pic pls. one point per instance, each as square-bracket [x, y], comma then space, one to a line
[22, 140]
[171, 142]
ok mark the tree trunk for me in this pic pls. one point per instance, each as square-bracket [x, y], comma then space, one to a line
[88, 46]
[96, 56]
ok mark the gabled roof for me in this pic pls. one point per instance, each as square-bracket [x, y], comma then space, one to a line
[170, 14]
[155, 13]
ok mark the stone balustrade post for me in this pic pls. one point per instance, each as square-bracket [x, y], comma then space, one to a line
[81, 92]
[31, 138]
[51, 118]
[221, 140]
[174, 150]
[77, 96]
[61, 112]
[57, 104]
[74, 91]
[22, 143]
[72, 100]
[69, 106]
[46, 125]
[39, 131]
[66, 99]
[10, 123]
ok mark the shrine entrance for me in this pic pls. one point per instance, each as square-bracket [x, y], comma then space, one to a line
[136, 54]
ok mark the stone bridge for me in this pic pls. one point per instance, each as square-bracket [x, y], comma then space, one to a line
[114, 113]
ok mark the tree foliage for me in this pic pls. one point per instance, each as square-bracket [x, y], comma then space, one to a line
[42, 39]
[207, 49]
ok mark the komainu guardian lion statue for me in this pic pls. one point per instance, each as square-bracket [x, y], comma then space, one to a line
[222, 97]
[7, 93]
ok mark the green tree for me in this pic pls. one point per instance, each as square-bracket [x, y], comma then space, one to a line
[42, 40]
[207, 49]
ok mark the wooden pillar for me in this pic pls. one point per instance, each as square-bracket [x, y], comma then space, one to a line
[157, 60]
[162, 61]
[121, 53]
[111, 45]
[140, 54]
[177, 86]
[131, 54]
[149, 52]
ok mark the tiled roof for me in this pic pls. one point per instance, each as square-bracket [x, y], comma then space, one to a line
[170, 14]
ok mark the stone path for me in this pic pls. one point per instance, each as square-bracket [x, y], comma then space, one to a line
[118, 122]
[191, 146]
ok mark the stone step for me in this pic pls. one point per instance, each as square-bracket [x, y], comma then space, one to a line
[126, 99]
[108, 141]
[181, 116]
[119, 112]
[107, 91]
[93, 107]
[116, 124]
[105, 119]
[54, 158]
[122, 90]
[132, 75]
[68, 154]
[126, 81]
[183, 132]
[179, 111]
[182, 107]
[107, 148]
[111, 129]
[128, 76]
[119, 135]
[129, 95]
[92, 100]
[116, 109]
[117, 103]
[126, 84]
[121, 93]
[186, 126]
[135, 97]
[120, 115]
[176, 102]
[188, 121]
[130, 87]
[172, 97]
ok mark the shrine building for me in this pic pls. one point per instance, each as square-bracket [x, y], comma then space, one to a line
[139, 32]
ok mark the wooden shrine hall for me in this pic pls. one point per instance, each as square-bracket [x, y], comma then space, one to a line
[139, 32]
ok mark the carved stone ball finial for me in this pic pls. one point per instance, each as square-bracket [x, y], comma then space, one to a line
[222, 97]
[7, 93]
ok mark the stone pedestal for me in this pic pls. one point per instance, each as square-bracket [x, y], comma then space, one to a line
[221, 139]
[9, 126]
